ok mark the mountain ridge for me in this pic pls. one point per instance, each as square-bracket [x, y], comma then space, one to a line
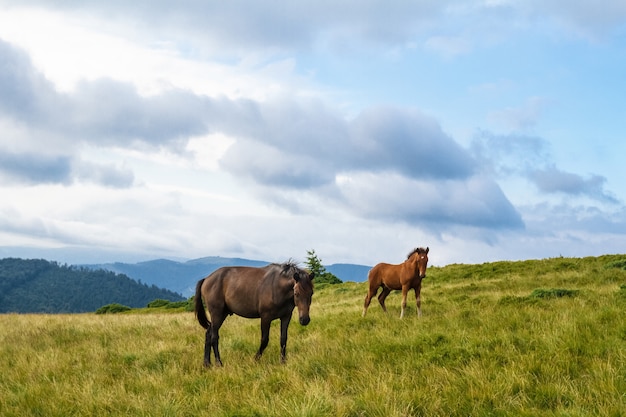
[181, 276]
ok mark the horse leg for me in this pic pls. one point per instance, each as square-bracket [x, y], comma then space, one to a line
[284, 325]
[207, 347]
[371, 292]
[265, 336]
[405, 291]
[418, 300]
[383, 295]
[216, 323]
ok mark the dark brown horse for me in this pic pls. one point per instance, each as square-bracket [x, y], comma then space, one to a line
[268, 293]
[404, 276]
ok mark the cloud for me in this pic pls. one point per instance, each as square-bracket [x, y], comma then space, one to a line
[35, 168]
[406, 141]
[24, 93]
[232, 29]
[280, 144]
[433, 205]
[39, 168]
[270, 166]
[312, 139]
[553, 180]
[101, 112]
[107, 175]
[547, 219]
[529, 157]
[239, 24]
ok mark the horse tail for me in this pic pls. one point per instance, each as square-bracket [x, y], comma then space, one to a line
[200, 311]
[374, 277]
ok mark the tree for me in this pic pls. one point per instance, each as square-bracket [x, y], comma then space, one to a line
[314, 265]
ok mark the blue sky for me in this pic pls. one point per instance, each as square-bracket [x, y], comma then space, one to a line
[486, 130]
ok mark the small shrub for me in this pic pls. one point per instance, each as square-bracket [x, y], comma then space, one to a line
[159, 302]
[553, 293]
[112, 309]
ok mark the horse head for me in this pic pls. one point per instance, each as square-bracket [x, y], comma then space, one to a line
[302, 294]
[420, 257]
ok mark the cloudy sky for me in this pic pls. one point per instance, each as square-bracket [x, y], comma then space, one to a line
[486, 130]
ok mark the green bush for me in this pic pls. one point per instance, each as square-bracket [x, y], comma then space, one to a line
[553, 293]
[112, 309]
[159, 302]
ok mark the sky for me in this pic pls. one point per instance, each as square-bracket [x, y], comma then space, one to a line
[485, 130]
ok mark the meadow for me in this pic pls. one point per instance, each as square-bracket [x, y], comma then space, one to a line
[532, 338]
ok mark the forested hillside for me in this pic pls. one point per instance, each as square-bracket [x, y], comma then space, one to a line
[39, 286]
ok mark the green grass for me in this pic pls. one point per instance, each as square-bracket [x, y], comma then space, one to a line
[532, 338]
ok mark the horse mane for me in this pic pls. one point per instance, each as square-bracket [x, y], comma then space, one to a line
[416, 250]
[289, 268]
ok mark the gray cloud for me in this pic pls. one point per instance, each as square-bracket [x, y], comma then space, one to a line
[104, 174]
[102, 111]
[552, 219]
[318, 145]
[39, 168]
[35, 168]
[409, 142]
[436, 205]
[529, 157]
[553, 180]
[24, 93]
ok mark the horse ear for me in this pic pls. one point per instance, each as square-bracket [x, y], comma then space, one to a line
[427, 249]
[296, 276]
[312, 275]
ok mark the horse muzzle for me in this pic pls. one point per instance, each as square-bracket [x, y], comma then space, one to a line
[305, 320]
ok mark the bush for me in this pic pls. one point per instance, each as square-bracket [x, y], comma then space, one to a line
[553, 293]
[159, 302]
[112, 309]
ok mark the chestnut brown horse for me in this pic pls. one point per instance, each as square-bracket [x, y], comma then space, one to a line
[269, 293]
[405, 276]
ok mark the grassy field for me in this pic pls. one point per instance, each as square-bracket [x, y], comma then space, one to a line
[533, 338]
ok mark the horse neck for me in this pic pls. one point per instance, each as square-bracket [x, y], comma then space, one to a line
[282, 289]
[411, 265]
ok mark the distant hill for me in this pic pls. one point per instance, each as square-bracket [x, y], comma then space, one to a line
[349, 272]
[39, 286]
[181, 277]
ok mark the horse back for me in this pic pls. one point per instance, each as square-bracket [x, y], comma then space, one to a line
[234, 289]
[245, 291]
[388, 275]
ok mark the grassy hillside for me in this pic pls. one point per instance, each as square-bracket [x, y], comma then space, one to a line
[533, 338]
